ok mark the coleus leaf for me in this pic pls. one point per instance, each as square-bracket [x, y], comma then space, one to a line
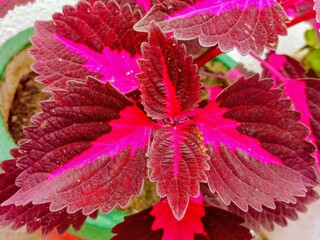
[169, 84]
[83, 152]
[7, 5]
[33, 216]
[255, 141]
[268, 217]
[248, 25]
[178, 171]
[145, 5]
[85, 41]
[304, 92]
[200, 223]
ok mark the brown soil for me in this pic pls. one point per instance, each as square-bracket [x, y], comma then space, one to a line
[25, 104]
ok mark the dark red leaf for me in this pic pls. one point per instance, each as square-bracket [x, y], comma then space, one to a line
[257, 148]
[169, 84]
[200, 223]
[85, 41]
[137, 226]
[248, 25]
[34, 217]
[7, 5]
[285, 65]
[178, 160]
[267, 218]
[304, 92]
[83, 151]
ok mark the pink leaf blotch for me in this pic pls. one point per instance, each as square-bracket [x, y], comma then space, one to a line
[87, 156]
[84, 41]
[304, 92]
[255, 140]
[248, 25]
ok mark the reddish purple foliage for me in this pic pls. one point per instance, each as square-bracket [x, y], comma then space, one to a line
[304, 92]
[88, 44]
[174, 89]
[159, 223]
[239, 24]
[33, 216]
[124, 102]
[7, 5]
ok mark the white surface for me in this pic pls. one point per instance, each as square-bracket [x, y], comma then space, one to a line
[23, 17]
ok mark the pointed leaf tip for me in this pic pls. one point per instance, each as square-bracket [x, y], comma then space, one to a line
[179, 171]
[169, 84]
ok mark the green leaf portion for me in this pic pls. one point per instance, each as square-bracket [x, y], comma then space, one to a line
[311, 38]
[311, 58]
[100, 228]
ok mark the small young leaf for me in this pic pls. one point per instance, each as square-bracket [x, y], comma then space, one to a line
[178, 162]
[254, 141]
[169, 84]
[248, 25]
[84, 41]
[83, 152]
[7, 5]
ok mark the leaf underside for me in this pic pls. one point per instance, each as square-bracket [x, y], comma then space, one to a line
[74, 159]
[248, 26]
[84, 41]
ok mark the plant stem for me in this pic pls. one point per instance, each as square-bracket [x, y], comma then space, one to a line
[303, 17]
[290, 3]
[270, 67]
[209, 54]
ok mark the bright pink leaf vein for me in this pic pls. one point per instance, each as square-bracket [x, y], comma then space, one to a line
[132, 130]
[118, 68]
[217, 129]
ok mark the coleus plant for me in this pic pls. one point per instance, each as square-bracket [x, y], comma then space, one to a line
[128, 103]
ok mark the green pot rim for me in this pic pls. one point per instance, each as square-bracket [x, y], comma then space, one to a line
[7, 51]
